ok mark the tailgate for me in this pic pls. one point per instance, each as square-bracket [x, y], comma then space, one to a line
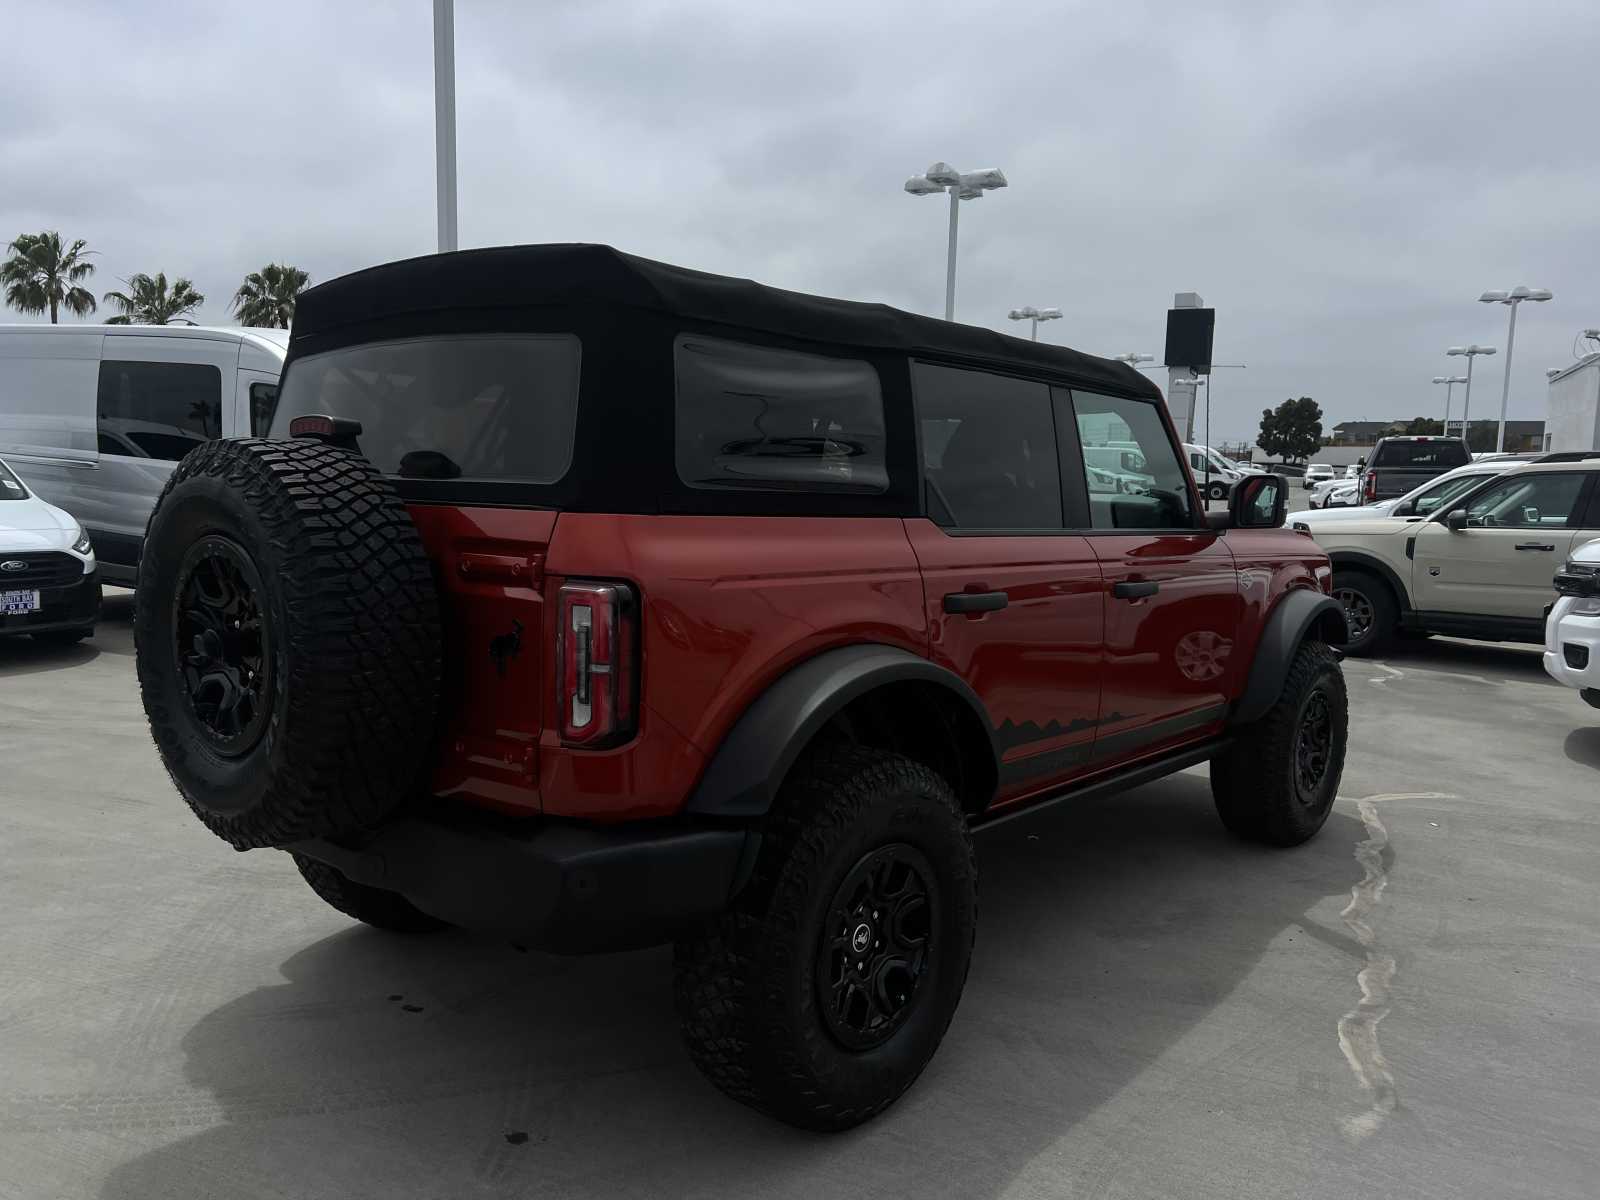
[489, 563]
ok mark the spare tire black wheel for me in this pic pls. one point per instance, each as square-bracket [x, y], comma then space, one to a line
[286, 625]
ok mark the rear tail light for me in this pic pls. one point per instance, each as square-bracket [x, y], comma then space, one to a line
[597, 651]
[1369, 487]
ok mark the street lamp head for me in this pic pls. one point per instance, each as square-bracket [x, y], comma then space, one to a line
[1023, 314]
[1540, 294]
[1552, 372]
[1440, 379]
[1495, 298]
[1049, 314]
[968, 193]
[943, 174]
[921, 185]
[987, 179]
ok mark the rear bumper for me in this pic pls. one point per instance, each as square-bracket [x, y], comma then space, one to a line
[75, 606]
[566, 888]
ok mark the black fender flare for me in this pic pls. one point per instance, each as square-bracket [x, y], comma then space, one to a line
[1355, 560]
[744, 774]
[1299, 614]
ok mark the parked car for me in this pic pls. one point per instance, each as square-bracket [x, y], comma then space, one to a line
[1480, 566]
[1414, 505]
[1334, 493]
[93, 417]
[49, 586]
[1399, 464]
[1572, 630]
[600, 603]
[1215, 475]
[1353, 471]
[1316, 473]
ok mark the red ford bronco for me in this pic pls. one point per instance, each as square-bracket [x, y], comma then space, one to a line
[600, 603]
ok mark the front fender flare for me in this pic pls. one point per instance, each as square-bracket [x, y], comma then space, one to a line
[1301, 613]
[749, 767]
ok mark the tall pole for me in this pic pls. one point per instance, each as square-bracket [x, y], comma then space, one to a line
[1449, 386]
[1505, 386]
[1035, 334]
[950, 263]
[444, 119]
[1466, 401]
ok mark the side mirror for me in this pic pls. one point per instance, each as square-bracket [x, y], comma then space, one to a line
[1456, 520]
[1258, 502]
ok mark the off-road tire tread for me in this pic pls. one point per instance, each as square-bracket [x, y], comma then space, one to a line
[373, 906]
[1250, 781]
[736, 1036]
[361, 631]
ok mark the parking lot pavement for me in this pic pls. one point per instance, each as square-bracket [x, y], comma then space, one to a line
[1404, 1007]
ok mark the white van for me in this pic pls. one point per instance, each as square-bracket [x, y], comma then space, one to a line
[94, 417]
[1215, 475]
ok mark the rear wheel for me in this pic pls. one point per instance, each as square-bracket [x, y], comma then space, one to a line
[1218, 490]
[1276, 783]
[1370, 612]
[821, 996]
[374, 906]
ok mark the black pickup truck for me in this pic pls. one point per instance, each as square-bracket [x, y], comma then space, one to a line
[1399, 464]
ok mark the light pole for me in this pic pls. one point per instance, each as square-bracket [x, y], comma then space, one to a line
[1449, 382]
[1133, 360]
[969, 185]
[1513, 300]
[444, 119]
[1030, 313]
[1469, 352]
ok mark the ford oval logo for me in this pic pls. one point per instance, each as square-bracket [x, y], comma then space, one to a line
[13, 564]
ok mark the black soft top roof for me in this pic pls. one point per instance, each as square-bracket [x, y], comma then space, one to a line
[595, 276]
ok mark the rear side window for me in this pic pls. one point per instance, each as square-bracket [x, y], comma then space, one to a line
[755, 418]
[988, 449]
[497, 407]
[157, 409]
[263, 399]
[1445, 452]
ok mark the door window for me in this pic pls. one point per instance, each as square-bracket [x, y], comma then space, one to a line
[988, 449]
[1135, 478]
[157, 409]
[1430, 498]
[1536, 501]
[263, 399]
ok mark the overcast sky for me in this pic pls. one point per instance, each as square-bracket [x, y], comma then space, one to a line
[1340, 180]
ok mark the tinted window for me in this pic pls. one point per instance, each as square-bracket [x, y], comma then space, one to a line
[1443, 452]
[1526, 502]
[10, 486]
[490, 407]
[1135, 478]
[988, 449]
[157, 409]
[759, 419]
[263, 399]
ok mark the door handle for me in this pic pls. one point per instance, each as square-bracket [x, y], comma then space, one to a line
[1535, 546]
[1133, 589]
[974, 602]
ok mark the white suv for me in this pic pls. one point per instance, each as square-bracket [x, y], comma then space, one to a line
[1481, 566]
[1572, 631]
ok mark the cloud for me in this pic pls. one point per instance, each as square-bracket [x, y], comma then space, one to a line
[1339, 180]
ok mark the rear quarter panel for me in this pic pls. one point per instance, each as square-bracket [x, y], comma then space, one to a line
[728, 605]
[1271, 563]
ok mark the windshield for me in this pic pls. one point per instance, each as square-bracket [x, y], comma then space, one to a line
[1435, 452]
[10, 486]
[478, 407]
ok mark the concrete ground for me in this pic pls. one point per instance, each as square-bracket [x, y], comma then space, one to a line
[1405, 1007]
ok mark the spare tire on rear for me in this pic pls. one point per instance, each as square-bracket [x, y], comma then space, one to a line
[287, 631]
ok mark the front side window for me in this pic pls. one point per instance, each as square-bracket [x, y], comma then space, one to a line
[10, 486]
[1135, 478]
[1527, 502]
[755, 418]
[988, 449]
[157, 409]
[1443, 492]
[485, 407]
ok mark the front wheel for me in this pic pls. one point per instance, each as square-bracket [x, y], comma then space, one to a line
[1277, 781]
[821, 996]
[1369, 612]
[1218, 491]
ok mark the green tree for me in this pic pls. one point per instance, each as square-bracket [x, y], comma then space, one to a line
[148, 301]
[1291, 432]
[266, 297]
[41, 276]
[1423, 427]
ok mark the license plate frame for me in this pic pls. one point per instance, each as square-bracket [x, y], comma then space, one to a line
[19, 603]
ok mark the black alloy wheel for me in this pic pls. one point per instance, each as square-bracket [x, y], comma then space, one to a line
[1358, 612]
[877, 946]
[1313, 748]
[222, 646]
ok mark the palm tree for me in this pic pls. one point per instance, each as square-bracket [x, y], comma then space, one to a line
[147, 301]
[266, 297]
[40, 276]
